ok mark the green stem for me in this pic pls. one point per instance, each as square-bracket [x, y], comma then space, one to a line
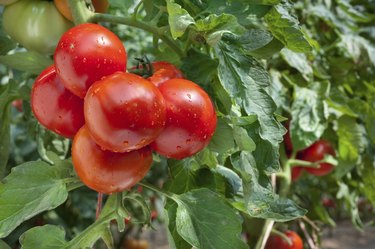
[80, 12]
[286, 180]
[149, 186]
[301, 163]
[158, 32]
[266, 231]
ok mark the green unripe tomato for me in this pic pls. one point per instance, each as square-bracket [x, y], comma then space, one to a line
[6, 2]
[36, 25]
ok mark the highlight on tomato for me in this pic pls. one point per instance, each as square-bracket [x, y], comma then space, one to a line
[54, 106]
[85, 54]
[105, 171]
[124, 112]
[191, 119]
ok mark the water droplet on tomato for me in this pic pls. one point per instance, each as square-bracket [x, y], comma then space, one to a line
[84, 60]
[178, 147]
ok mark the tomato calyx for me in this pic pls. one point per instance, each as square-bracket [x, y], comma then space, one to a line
[143, 68]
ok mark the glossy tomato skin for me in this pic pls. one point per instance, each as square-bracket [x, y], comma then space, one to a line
[124, 112]
[191, 119]
[100, 6]
[164, 71]
[36, 25]
[296, 173]
[105, 171]
[277, 242]
[54, 106]
[315, 153]
[85, 54]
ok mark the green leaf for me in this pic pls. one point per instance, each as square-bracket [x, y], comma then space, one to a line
[3, 245]
[357, 14]
[309, 112]
[120, 4]
[207, 222]
[222, 140]
[286, 29]
[198, 67]
[259, 199]
[214, 27]
[44, 237]
[6, 44]
[179, 19]
[368, 176]
[174, 239]
[4, 139]
[31, 62]
[246, 81]
[181, 171]
[351, 139]
[356, 46]
[243, 140]
[30, 189]
[265, 2]
[232, 178]
[298, 61]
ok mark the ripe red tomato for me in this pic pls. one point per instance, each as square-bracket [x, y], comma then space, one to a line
[105, 171]
[277, 242]
[124, 112]
[296, 173]
[316, 153]
[164, 71]
[54, 106]
[85, 54]
[191, 119]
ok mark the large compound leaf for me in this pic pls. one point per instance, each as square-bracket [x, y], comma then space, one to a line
[286, 29]
[30, 189]
[206, 221]
[309, 112]
[246, 81]
[179, 19]
[259, 200]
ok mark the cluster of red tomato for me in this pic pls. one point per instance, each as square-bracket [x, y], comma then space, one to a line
[117, 118]
[314, 153]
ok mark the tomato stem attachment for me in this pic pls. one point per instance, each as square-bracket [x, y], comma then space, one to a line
[80, 12]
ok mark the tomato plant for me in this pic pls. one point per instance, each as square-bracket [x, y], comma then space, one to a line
[124, 112]
[87, 53]
[191, 119]
[54, 106]
[210, 117]
[36, 25]
[105, 171]
[278, 242]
